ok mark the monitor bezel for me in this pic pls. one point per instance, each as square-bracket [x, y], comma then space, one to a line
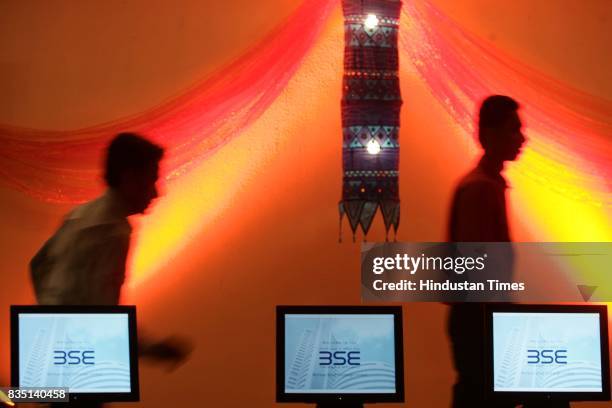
[282, 396]
[526, 396]
[133, 395]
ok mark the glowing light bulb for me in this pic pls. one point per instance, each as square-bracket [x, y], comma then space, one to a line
[373, 147]
[371, 21]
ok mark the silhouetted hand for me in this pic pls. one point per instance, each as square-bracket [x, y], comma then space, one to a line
[173, 351]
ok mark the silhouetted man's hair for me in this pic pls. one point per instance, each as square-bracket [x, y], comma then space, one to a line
[493, 113]
[129, 151]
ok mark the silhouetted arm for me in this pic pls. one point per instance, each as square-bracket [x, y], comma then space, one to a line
[39, 268]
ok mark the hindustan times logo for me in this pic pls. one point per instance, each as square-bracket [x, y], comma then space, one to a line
[412, 264]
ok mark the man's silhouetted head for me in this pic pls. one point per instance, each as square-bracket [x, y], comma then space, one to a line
[132, 167]
[499, 128]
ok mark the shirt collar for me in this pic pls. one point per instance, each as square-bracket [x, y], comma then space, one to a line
[116, 205]
[492, 170]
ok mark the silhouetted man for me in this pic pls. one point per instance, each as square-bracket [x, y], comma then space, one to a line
[478, 210]
[478, 214]
[83, 263]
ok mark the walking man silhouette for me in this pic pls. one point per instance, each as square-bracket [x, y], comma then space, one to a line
[83, 263]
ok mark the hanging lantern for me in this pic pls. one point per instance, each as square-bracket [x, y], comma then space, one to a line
[371, 104]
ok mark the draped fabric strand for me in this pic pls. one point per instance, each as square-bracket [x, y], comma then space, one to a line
[568, 128]
[571, 128]
[62, 166]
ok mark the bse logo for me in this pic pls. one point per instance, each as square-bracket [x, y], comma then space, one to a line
[547, 356]
[74, 357]
[339, 358]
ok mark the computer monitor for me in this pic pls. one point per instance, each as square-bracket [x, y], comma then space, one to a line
[331, 354]
[91, 350]
[547, 352]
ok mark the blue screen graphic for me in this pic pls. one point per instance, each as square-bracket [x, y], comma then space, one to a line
[546, 352]
[88, 353]
[349, 353]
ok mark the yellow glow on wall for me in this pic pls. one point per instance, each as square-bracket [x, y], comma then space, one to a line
[204, 197]
[556, 202]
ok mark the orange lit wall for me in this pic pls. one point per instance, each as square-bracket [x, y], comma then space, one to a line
[256, 224]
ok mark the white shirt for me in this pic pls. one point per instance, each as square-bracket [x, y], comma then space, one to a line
[83, 263]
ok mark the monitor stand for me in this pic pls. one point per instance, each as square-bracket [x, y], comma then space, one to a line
[340, 404]
[547, 404]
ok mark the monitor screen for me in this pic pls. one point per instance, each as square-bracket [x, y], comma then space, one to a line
[550, 350]
[89, 350]
[335, 352]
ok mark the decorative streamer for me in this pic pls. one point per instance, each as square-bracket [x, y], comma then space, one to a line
[60, 166]
[371, 104]
[570, 128]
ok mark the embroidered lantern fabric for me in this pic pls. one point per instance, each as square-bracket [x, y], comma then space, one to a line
[371, 105]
